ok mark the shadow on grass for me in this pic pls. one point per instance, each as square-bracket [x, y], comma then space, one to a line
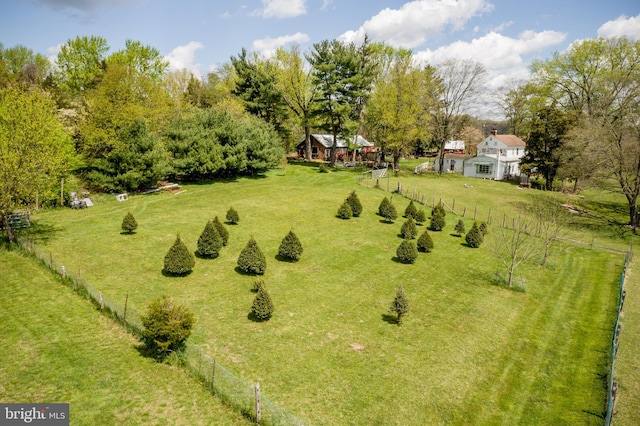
[127, 233]
[200, 256]
[285, 259]
[252, 317]
[40, 232]
[172, 274]
[398, 260]
[245, 273]
[390, 319]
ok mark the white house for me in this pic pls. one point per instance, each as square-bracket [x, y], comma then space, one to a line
[498, 157]
[453, 163]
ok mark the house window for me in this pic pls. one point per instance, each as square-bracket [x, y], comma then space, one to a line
[484, 169]
[314, 152]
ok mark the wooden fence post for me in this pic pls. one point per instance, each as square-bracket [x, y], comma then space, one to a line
[101, 300]
[475, 212]
[258, 408]
[213, 376]
[464, 212]
[124, 315]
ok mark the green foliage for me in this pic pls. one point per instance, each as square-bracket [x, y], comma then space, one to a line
[210, 242]
[409, 230]
[290, 247]
[437, 222]
[81, 64]
[407, 252]
[411, 210]
[232, 216]
[484, 229]
[420, 216]
[474, 237]
[224, 234]
[179, 261]
[345, 212]
[438, 210]
[167, 326]
[354, 203]
[460, 229]
[257, 284]
[387, 210]
[146, 60]
[262, 307]
[129, 224]
[425, 243]
[251, 259]
[323, 168]
[400, 304]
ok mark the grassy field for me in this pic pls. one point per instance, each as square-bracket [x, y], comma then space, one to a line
[469, 352]
[57, 348]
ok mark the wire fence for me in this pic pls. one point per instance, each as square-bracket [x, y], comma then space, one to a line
[232, 390]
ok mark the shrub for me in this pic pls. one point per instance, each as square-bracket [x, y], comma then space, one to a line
[387, 210]
[354, 203]
[400, 304]
[224, 234]
[251, 259]
[166, 326]
[290, 247]
[459, 229]
[262, 307]
[232, 216]
[425, 243]
[437, 222]
[484, 229]
[345, 212]
[210, 242]
[438, 210]
[129, 224]
[407, 252]
[323, 168]
[408, 229]
[420, 216]
[411, 210]
[179, 260]
[474, 236]
[257, 284]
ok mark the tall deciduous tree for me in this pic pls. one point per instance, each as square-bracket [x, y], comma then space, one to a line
[20, 64]
[514, 247]
[146, 60]
[81, 63]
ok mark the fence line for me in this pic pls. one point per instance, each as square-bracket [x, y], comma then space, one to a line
[219, 381]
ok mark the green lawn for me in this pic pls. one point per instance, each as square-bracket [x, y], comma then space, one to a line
[469, 351]
[57, 348]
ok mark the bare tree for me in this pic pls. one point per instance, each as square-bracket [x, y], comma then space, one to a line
[551, 223]
[516, 246]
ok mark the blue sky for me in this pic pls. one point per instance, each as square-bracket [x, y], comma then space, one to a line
[504, 35]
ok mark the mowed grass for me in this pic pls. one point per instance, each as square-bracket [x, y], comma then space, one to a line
[469, 352]
[58, 348]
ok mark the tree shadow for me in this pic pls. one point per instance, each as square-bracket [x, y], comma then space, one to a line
[390, 319]
[172, 274]
[40, 232]
[200, 256]
[127, 233]
[248, 274]
[285, 259]
[455, 235]
[253, 318]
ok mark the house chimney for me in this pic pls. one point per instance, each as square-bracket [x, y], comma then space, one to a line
[494, 132]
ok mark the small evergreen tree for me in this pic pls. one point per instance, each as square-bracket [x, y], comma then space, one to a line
[411, 210]
[484, 229]
[438, 210]
[210, 242]
[437, 221]
[354, 203]
[262, 307]
[345, 212]
[407, 252]
[425, 243]
[129, 224]
[166, 326]
[179, 260]
[232, 216]
[409, 230]
[420, 216]
[387, 210]
[400, 304]
[256, 285]
[251, 259]
[224, 234]
[459, 229]
[474, 236]
[290, 247]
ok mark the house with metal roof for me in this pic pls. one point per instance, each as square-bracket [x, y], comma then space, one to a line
[322, 144]
[498, 157]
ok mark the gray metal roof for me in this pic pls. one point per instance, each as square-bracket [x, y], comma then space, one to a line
[327, 140]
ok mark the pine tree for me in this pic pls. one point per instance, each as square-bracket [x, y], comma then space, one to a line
[354, 203]
[251, 259]
[437, 221]
[439, 210]
[407, 252]
[411, 210]
[290, 247]
[420, 216]
[345, 212]
[179, 260]
[484, 229]
[210, 242]
[387, 210]
[262, 307]
[224, 234]
[129, 224]
[425, 243]
[400, 304]
[257, 284]
[474, 237]
[409, 230]
[459, 229]
[166, 326]
[232, 216]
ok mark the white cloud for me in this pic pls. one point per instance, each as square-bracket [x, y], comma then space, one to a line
[621, 27]
[267, 46]
[184, 57]
[283, 8]
[326, 4]
[417, 21]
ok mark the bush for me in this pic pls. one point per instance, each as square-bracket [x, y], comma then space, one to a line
[425, 243]
[437, 222]
[345, 212]
[354, 203]
[387, 210]
[232, 216]
[408, 229]
[210, 242]
[400, 304]
[179, 261]
[290, 247]
[251, 259]
[420, 216]
[407, 252]
[129, 224]
[484, 229]
[459, 229]
[438, 210]
[167, 326]
[262, 307]
[474, 236]
[256, 285]
[411, 210]
[224, 234]
[323, 168]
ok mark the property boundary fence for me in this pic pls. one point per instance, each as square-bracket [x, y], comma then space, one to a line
[219, 381]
